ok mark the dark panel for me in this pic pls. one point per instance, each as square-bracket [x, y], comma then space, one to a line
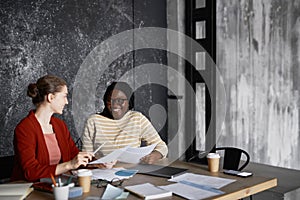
[152, 13]
[37, 38]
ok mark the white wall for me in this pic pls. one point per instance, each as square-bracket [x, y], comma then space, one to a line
[258, 45]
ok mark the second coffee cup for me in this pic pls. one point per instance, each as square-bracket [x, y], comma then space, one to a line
[84, 179]
[213, 160]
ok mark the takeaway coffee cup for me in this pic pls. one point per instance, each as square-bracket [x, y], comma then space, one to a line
[213, 160]
[61, 193]
[84, 179]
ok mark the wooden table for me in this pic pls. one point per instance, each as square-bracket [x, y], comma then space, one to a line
[241, 188]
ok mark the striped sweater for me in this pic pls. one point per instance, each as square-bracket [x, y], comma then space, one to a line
[131, 129]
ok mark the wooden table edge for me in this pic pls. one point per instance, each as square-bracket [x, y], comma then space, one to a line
[249, 190]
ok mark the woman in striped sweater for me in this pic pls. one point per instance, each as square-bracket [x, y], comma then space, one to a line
[118, 126]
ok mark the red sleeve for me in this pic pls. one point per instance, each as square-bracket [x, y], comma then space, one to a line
[32, 152]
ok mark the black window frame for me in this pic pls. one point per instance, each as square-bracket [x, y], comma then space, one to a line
[194, 76]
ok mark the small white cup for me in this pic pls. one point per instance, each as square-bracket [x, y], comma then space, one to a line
[61, 193]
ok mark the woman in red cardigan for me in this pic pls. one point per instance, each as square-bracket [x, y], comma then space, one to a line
[42, 142]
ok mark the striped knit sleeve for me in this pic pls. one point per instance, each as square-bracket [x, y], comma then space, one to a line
[150, 136]
[88, 135]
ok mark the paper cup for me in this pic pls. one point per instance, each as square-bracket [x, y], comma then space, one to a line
[84, 179]
[213, 160]
[61, 193]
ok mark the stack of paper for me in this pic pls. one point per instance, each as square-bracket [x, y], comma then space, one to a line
[15, 191]
[211, 181]
[196, 186]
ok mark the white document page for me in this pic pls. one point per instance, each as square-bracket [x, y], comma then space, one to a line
[126, 154]
[112, 192]
[188, 192]
[107, 174]
[211, 181]
[110, 157]
[133, 155]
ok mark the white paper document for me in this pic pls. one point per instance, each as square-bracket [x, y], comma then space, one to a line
[211, 181]
[188, 191]
[108, 174]
[112, 192]
[196, 186]
[127, 154]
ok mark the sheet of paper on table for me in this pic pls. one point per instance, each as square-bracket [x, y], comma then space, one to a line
[211, 181]
[109, 174]
[188, 191]
[196, 186]
[112, 192]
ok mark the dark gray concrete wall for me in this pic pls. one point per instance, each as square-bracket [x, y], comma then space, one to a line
[55, 37]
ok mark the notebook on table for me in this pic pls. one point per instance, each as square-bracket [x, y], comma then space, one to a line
[156, 170]
[148, 191]
[15, 191]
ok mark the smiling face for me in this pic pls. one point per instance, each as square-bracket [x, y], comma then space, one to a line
[59, 100]
[117, 104]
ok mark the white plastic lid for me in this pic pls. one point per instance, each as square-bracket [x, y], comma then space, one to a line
[213, 155]
[84, 172]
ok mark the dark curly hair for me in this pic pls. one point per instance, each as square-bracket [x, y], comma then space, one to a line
[122, 86]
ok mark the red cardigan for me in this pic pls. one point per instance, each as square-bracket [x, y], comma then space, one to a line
[31, 153]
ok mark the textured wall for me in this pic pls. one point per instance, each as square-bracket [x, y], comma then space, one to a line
[54, 37]
[258, 54]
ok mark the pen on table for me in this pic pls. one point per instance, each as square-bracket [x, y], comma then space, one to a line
[98, 148]
[53, 180]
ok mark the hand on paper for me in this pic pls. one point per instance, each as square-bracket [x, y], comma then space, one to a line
[82, 158]
[152, 157]
[108, 165]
